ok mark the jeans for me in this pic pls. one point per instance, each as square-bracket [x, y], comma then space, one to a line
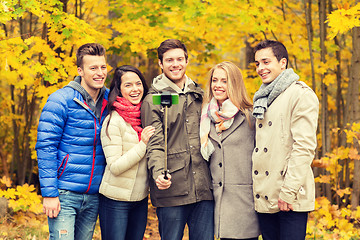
[198, 216]
[239, 239]
[283, 225]
[77, 217]
[120, 220]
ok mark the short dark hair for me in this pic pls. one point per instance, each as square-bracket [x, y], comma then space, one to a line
[93, 49]
[278, 49]
[168, 45]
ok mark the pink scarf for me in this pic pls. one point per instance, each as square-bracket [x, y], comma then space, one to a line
[130, 113]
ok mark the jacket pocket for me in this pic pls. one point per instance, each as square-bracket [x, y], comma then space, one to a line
[63, 165]
[178, 170]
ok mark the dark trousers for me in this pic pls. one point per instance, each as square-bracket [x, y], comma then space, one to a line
[198, 216]
[239, 239]
[283, 225]
[121, 220]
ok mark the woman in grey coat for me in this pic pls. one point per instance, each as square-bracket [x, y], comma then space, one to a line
[227, 142]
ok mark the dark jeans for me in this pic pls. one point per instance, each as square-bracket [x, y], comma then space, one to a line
[198, 216]
[283, 225]
[122, 220]
[239, 239]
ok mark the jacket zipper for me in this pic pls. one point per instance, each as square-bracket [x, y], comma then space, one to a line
[94, 153]
[84, 104]
[93, 160]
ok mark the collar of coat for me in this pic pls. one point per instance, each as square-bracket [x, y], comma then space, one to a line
[239, 119]
[162, 83]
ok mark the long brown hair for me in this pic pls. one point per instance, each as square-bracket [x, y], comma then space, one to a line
[236, 88]
[115, 88]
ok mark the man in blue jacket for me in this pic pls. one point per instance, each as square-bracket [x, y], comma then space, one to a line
[70, 158]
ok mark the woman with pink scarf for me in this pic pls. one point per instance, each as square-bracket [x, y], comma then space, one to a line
[124, 187]
[227, 142]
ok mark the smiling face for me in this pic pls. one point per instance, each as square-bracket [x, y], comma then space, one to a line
[131, 87]
[219, 85]
[174, 65]
[267, 65]
[93, 74]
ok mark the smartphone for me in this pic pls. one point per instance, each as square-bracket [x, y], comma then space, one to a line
[165, 99]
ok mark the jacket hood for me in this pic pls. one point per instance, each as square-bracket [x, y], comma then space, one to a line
[162, 83]
[94, 106]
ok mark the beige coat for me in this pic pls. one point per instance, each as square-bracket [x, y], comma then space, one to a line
[230, 167]
[190, 174]
[125, 177]
[285, 147]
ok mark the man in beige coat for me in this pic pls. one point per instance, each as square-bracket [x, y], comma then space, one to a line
[286, 112]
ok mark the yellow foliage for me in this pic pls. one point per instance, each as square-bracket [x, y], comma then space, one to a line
[356, 213]
[353, 134]
[330, 222]
[212, 31]
[329, 79]
[322, 179]
[319, 163]
[343, 19]
[342, 192]
[6, 181]
[24, 225]
[354, 154]
[322, 68]
[23, 198]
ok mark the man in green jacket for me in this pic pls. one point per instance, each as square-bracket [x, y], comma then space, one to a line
[186, 196]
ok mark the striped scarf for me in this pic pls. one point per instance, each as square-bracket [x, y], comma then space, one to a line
[222, 118]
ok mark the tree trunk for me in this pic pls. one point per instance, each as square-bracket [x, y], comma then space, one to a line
[16, 151]
[324, 92]
[339, 114]
[309, 28]
[22, 109]
[355, 78]
[65, 2]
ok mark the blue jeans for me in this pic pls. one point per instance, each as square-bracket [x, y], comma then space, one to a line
[77, 217]
[198, 216]
[241, 239]
[121, 220]
[283, 225]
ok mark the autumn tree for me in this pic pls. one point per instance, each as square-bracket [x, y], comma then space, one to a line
[39, 38]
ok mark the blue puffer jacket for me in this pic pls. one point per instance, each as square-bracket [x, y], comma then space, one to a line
[69, 151]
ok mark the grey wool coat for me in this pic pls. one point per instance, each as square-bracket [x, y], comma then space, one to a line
[230, 167]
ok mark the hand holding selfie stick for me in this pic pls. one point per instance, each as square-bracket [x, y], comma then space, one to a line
[166, 99]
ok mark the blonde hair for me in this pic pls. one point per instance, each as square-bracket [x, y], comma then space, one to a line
[236, 90]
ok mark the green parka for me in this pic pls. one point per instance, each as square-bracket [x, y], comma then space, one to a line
[190, 175]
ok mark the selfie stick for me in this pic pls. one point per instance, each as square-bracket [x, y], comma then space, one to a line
[166, 99]
[165, 125]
